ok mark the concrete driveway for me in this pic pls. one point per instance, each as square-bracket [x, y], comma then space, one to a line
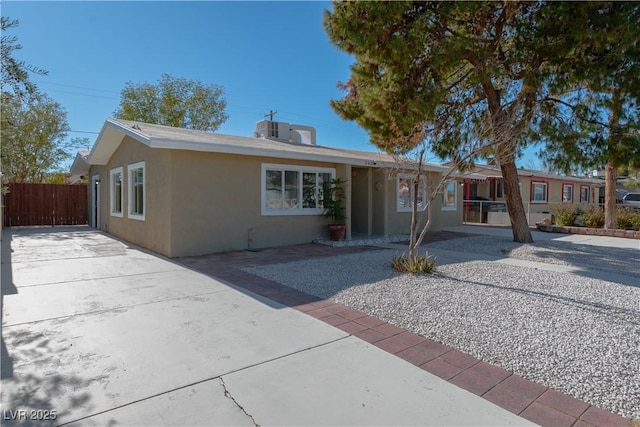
[98, 332]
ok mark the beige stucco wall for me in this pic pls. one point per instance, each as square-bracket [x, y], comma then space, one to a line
[199, 203]
[399, 222]
[154, 232]
[445, 218]
[379, 202]
[361, 189]
[216, 205]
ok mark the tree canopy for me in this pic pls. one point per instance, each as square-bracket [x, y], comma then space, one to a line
[596, 122]
[33, 129]
[15, 73]
[472, 78]
[33, 126]
[174, 102]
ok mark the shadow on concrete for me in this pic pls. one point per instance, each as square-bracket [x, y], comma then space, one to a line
[7, 288]
[27, 399]
[27, 395]
[48, 233]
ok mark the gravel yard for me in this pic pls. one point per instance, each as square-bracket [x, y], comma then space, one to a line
[575, 334]
[614, 260]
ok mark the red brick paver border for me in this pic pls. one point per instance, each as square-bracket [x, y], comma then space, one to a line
[532, 401]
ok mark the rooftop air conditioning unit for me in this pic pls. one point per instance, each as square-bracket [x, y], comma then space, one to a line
[285, 132]
[269, 129]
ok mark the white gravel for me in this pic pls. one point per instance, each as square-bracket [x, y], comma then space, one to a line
[574, 334]
[615, 260]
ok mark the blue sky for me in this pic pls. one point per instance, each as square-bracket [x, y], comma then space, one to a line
[266, 55]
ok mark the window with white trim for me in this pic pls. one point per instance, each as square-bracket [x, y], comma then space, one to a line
[404, 193]
[136, 191]
[449, 196]
[115, 191]
[539, 192]
[584, 193]
[294, 190]
[567, 193]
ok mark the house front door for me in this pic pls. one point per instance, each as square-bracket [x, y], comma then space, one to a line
[94, 214]
[361, 201]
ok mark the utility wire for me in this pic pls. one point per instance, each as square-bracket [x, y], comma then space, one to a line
[75, 87]
[230, 108]
[81, 94]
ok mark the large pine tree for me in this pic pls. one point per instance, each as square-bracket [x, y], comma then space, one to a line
[470, 77]
[595, 123]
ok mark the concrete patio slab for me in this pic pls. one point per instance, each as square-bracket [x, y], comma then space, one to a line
[204, 404]
[104, 333]
[123, 355]
[507, 390]
[368, 387]
[48, 301]
[97, 267]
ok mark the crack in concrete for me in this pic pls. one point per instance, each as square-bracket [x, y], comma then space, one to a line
[228, 395]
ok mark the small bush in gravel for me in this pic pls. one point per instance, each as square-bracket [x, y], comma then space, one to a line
[624, 218]
[630, 219]
[565, 214]
[593, 216]
[418, 264]
[635, 220]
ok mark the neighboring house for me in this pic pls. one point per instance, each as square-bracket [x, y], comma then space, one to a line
[79, 165]
[624, 185]
[183, 192]
[541, 192]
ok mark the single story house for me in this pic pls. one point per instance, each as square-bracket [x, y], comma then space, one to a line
[79, 166]
[541, 192]
[183, 192]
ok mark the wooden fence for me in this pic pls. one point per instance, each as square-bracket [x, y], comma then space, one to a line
[45, 204]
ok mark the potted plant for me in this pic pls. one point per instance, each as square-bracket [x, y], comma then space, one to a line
[333, 202]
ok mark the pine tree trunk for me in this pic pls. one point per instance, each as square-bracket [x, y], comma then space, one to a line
[610, 175]
[610, 170]
[517, 215]
[414, 241]
[413, 247]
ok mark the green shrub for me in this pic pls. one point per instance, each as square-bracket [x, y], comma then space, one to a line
[624, 218]
[635, 220]
[418, 264]
[565, 214]
[593, 216]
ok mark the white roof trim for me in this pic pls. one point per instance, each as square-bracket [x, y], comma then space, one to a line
[114, 131]
[80, 165]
